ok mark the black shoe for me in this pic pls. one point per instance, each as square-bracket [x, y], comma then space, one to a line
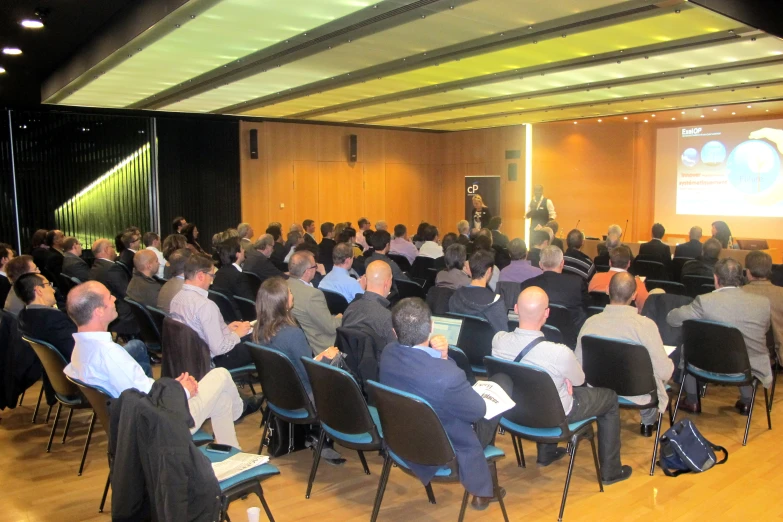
[692, 407]
[647, 430]
[482, 503]
[743, 408]
[252, 405]
[559, 454]
[625, 472]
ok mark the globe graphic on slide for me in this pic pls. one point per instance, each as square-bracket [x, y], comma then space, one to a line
[690, 157]
[713, 153]
[754, 166]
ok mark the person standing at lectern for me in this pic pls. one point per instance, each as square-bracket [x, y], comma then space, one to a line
[541, 210]
[480, 216]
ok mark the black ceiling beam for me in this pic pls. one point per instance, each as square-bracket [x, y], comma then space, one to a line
[761, 14]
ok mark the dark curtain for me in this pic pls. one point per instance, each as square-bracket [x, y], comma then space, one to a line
[7, 220]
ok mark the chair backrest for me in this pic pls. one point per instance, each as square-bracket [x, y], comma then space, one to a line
[420, 266]
[423, 441]
[475, 337]
[98, 399]
[401, 261]
[552, 334]
[677, 263]
[227, 307]
[560, 317]
[362, 352]
[601, 268]
[648, 268]
[54, 363]
[148, 328]
[338, 399]
[183, 351]
[695, 284]
[599, 298]
[537, 401]
[670, 287]
[252, 280]
[462, 361]
[66, 283]
[714, 347]
[509, 292]
[335, 302]
[438, 299]
[158, 316]
[281, 384]
[247, 308]
[410, 289]
[618, 365]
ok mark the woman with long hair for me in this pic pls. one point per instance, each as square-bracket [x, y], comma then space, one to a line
[480, 215]
[190, 231]
[721, 232]
[170, 244]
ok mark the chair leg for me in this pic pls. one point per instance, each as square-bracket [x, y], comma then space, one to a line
[430, 493]
[252, 389]
[105, 492]
[679, 397]
[67, 425]
[463, 507]
[364, 462]
[768, 404]
[671, 413]
[87, 443]
[316, 460]
[655, 444]
[54, 427]
[38, 404]
[595, 461]
[750, 413]
[260, 493]
[387, 462]
[516, 450]
[775, 371]
[21, 398]
[703, 390]
[575, 441]
[496, 486]
[48, 412]
[223, 508]
[268, 414]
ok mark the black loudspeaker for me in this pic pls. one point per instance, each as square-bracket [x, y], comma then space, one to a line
[353, 146]
[253, 144]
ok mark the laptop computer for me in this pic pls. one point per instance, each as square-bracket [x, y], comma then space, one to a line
[752, 244]
[449, 327]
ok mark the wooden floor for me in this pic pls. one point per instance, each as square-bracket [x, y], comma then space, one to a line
[36, 486]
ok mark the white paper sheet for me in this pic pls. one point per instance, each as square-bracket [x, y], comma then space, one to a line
[496, 399]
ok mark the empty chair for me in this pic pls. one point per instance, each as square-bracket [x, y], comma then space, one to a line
[677, 264]
[410, 289]
[698, 285]
[158, 316]
[538, 416]
[66, 283]
[148, 328]
[509, 292]
[226, 305]
[66, 393]
[602, 268]
[401, 261]
[602, 357]
[670, 287]
[185, 351]
[475, 339]
[438, 299]
[420, 266]
[649, 268]
[247, 308]
[343, 412]
[715, 353]
[253, 281]
[600, 299]
[423, 442]
[335, 302]
[462, 361]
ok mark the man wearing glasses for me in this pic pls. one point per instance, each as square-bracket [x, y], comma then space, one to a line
[193, 307]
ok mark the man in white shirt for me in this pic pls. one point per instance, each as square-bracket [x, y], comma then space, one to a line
[560, 363]
[431, 247]
[401, 245]
[193, 307]
[364, 224]
[152, 242]
[98, 361]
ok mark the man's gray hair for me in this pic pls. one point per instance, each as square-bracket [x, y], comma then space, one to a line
[243, 229]
[612, 240]
[463, 227]
[695, 233]
[614, 229]
[300, 262]
[551, 257]
[517, 249]
[381, 225]
[729, 272]
[264, 241]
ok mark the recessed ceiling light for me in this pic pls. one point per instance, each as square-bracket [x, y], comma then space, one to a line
[714, 110]
[749, 106]
[575, 123]
[767, 110]
[701, 116]
[683, 112]
[733, 113]
[2, 70]
[13, 51]
[32, 24]
[674, 118]
[645, 121]
[653, 115]
[625, 117]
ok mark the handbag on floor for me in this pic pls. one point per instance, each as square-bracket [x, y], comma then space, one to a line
[285, 438]
[685, 450]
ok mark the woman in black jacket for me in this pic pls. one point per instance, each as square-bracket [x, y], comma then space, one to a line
[480, 216]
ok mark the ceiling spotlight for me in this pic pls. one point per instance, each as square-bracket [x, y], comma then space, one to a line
[701, 116]
[625, 117]
[683, 112]
[653, 115]
[2, 70]
[600, 120]
[673, 118]
[32, 24]
[749, 106]
[733, 113]
[575, 123]
[645, 121]
[13, 51]
[767, 110]
[714, 110]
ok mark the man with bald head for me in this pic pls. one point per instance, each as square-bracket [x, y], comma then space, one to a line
[143, 288]
[620, 320]
[114, 277]
[527, 344]
[370, 311]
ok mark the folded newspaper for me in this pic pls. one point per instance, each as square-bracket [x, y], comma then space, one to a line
[236, 464]
[496, 399]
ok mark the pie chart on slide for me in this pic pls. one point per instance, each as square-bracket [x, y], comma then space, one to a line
[754, 166]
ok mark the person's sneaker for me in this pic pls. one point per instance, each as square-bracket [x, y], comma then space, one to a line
[559, 454]
[625, 472]
[647, 430]
[252, 405]
[482, 503]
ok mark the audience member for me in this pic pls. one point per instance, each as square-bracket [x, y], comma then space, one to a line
[520, 270]
[338, 280]
[245, 233]
[310, 308]
[73, 264]
[278, 247]
[430, 247]
[6, 255]
[116, 279]
[143, 288]
[721, 232]
[309, 234]
[621, 321]
[418, 238]
[131, 240]
[257, 258]
[381, 225]
[16, 268]
[326, 246]
[228, 278]
[97, 361]
[758, 270]
[54, 256]
[457, 271]
[540, 240]
[478, 300]
[152, 243]
[619, 261]
[484, 242]
[575, 261]
[498, 238]
[370, 311]
[703, 266]
[556, 241]
[579, 402]
[401, 245]
[747, 312]
[418, 363]
[348, 235]
[172, 243]
[364, 226]
[190, 231]
[656, 249]
[178, 224]
[612, 241]
[192, 306]
[463, 233]
[691, 249]
[39, 249]
[294, 239]
[172, 287]
[381, 242]
[40, 318]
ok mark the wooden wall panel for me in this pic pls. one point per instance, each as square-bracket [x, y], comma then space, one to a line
[254, 180]
[375, 193]
[281, 193]
[341, 192]
[306, 190]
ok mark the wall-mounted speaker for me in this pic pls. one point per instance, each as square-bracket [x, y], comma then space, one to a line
[353, 147]
[253, 143]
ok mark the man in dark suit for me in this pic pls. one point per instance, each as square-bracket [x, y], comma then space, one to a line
[143, 288]
[73, 264]
[463, 233]
[132, 242]
[54, 256]
[420, 365]
[326, 247]
[40, 318]
[575, 261]
[309, 234]
[229, 279]
[279, 251]
[691, 249]
[6, 255]
[498, 237]
[656, 248]
[564, 289]
[116, 279]
[257, 259]
[540, 240]
[704, 265]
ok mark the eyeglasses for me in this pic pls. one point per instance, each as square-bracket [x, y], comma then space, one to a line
[48, 283]
[314, 266]
[211, 274]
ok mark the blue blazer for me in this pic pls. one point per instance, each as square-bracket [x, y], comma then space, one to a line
[442, 384]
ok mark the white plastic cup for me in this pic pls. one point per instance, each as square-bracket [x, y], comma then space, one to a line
[253, 514]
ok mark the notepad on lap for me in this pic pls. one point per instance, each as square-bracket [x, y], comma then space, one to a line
[669, 349]
[495, 398]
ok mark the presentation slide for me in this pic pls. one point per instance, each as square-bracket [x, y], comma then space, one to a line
[731, 169]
